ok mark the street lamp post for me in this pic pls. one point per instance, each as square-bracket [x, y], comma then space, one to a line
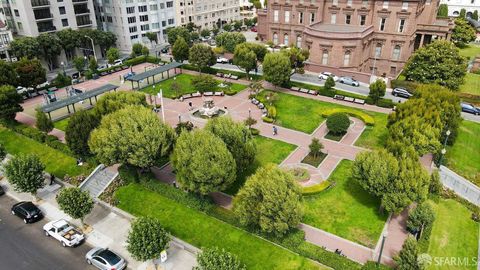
[444, 150]
[160, 95]
[63, 67]
[93, 47]
[384, 237]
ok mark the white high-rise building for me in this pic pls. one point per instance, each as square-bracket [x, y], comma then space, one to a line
[34, 17]
[207, 13]
[454, 6]
[130, 20]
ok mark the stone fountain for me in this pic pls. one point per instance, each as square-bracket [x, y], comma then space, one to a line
[208, 110]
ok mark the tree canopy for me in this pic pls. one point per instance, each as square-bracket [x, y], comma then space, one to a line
[112, 55]
[79, 127]
[276, 68]
[75, 202]
[43, 122]
[111, 102]
[50, 47]
[180, 50]
[147, 239]
[407, 259]
[229, 40]
[25, 173]
[377, 90]
[30, 72]
[8, 75]
[442, 10]
[25, 47]
[463, 33]
[218, 259]
[338, 123]
[204, 83]
[179, 31]
[10, 101]
[201, 56]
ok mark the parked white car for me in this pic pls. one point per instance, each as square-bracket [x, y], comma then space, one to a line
[68, 235]
[325, 75]
[222, 60]
[117, 62]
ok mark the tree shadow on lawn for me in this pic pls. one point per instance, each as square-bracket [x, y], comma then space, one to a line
[242, 177]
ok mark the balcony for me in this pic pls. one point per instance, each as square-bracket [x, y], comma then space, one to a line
[42, 14]
[44, 27]
[40, 3]
[81, 9]
[84, 21]
[79, 1]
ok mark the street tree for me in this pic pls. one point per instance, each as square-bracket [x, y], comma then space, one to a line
[10, 101]
[329, 84]
[25, 47]
[421, 217]
[475, 15]
[237, 138]
[205, 33]
[92, 64]
[463, 33]
[68, 41]
[201, 56]
[30, 72]
[104, 39]
[204, 83]
[133, 135]
[179, 31]
[79, 127]
[202, 162]
[147, 239]
[180, 50]
[137, 49]
[79, 63]
[229, 40]
[407, 259]
[152, 37]
[75, 203]
[250, 121]
[276, 69]
[25, 173]
[8, 75]
[227, 27]
[218, 259]
[377, 90]
[439, 62]
[43, 123]
[112, 55]
[338, 123]
[297, 58]
[112, 102]
[50, 47]
[270, 200]
[315, 147]
[145, 51]
[463, 13]
[245, 58]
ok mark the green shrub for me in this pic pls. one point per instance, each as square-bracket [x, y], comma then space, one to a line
[369, 101]
[367, 119]
[385, 103]
[267, 119]
[325, 92]
[338, 123]
[254, 131]
[315, 189]
[272, 112]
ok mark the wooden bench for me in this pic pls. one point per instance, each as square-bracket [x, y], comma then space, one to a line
[295, 88]
[312, 92]
[339, 97]
[349, 99]
[208, 94]
[303, 90]
[218, 94]
[196, 94]
[359, 101]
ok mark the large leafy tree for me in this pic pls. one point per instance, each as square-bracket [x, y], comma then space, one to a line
[79, 63]
[245, 58]
[147, 239]
[43, 122]
[9, 102]
[152, 36]
[204, 83]
[420, 217]
[68, 41]
[25, 47]
[175, 32]
[112, 55]
[463, 33]
[276, 68]
[229, 40]
[8, 75]
[180, 50]
[203, 162]
[218, 259]
[25, 173]
[133, 135]
[112, 102]
[30, 72]
[297, 57]
[79, 127]
[201, 56]
[438, 62]
[50, 48]
[105, 39]
[377, 90]
[236, 137]
[75, 202]
[407, 259]
[269, 200]
[338, 123]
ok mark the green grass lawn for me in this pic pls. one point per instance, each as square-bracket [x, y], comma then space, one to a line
[268, 151]
[463, 157]
[454, 234]
[346, 209]
[61, 124]
[305, 114]
[201, 230]
[470, 51]
[55, 161]
[186, 87]
[471, 85]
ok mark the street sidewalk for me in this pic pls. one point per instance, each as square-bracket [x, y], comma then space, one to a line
[110, 227]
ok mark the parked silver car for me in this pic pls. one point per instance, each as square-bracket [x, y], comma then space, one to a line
[349, 80]
[105, 259]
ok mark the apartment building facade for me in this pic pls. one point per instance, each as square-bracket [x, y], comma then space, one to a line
[359, 38]
[207, 13]
[455, 6]
[130, 20]
[5, 39]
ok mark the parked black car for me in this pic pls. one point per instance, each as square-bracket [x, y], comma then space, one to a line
[400, 92]
[469, 108]
[27, 211]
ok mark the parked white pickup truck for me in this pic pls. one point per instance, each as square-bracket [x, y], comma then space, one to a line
[63, 232]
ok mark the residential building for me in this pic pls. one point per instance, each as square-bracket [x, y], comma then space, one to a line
[362, 38]
[247, 10]
[130, 20]
[207, 13]
[454, 6]
[5, 38]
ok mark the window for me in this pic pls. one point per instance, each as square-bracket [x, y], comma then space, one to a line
[396, 52]
[145, 27]
[378, 50]
[142, 9]
[335, 3]
[134, 37]
[385, 4]
[153, 7]
[131, 19]
[346, 58]
[300, 17]
[64, 22]
[275, 38]
[382, 24]
[364, 3]
[348, 18]
[325, 57]
[349, 3]
[401, 25]
[275, 16]
[130, 10]
[312, 17]
[404, 5]
[61, 10]
[299, 41]
[285, 39]
[363, 18]
[333, 18]
[143, 18]
[132, 29]
[16, 12]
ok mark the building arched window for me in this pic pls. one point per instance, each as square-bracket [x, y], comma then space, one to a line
[396, 52]
[285, 39]
[275, 38]
[456, 13]
[378, 50]
[299, 41]
[325, 57]
[346, 58]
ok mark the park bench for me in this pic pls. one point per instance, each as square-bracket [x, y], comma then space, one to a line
[359, 101]
[208, 94]
[219, 75]
[312, 92]
[197, 94]
[234, 77]
[103, 74]
[349, 99]
[186, 96]
[339, 97]
[295, 88]
[261, 106]
[303, 90]
[218, 94]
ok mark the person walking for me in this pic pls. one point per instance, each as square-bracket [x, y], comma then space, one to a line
[275, 131]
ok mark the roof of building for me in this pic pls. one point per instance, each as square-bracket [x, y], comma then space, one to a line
[154, 71]
[473, 22]
[345, 28]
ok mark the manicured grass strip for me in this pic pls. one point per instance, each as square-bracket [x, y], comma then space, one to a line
[346, 209]
[463, 157]
[204, 231]
[61, 124]
[454, 235]
[470, 51]
[55, 161]
[471, 84]
[374, 137]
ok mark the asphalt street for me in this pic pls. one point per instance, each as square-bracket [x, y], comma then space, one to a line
[25, 246]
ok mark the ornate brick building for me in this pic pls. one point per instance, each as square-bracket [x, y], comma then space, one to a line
[357, 38]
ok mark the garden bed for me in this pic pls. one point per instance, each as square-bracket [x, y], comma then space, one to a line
[314, 161]
[334, 137]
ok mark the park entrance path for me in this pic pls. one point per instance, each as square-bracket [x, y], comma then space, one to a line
[31, 121]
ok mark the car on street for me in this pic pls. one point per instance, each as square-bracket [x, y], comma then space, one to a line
[222, 60]
[325, 75]
[128, 75]
[105, 259]
[400, 92]
[65, 233]
[349, 80]
[165, 49]
[116, 63]
[27, 211]
[469, 108]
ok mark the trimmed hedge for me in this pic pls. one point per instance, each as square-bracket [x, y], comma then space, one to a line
[214, 71]
[267, 119]
[315, 189]
[367, 119]
[385, 103]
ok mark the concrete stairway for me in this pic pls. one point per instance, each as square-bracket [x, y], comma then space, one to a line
[98, 180]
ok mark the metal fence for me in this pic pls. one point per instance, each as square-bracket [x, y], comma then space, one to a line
[461, 186]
